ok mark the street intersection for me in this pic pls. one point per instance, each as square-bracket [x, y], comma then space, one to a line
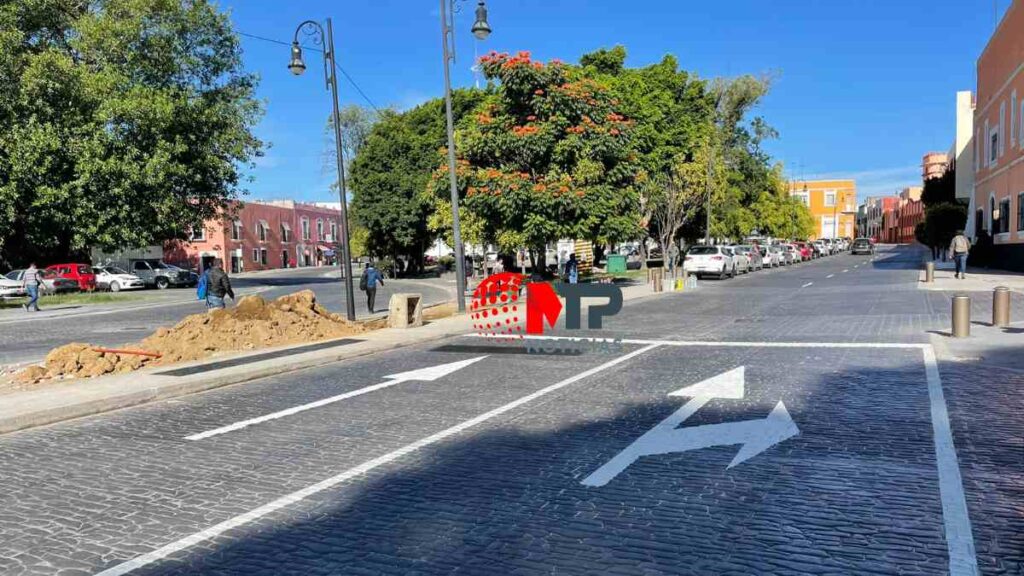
[795, 421]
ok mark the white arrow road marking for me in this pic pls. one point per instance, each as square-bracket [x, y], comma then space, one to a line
[756, 436]
[423, 375]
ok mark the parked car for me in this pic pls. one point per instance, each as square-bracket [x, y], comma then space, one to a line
[805, 251]
[714, 260]
[775, 256]
[115, 279]
[819, 248]
[10, 288]
[792, 253]
[741, 262]
[862, 246]
[52, 283]
[162, 275]
[753, 256]
[80, 273]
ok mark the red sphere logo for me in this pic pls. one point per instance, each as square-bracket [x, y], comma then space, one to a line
[497, 308]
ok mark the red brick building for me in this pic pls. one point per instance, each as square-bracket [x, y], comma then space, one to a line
[262, 236]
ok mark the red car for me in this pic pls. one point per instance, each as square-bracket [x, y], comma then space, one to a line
[805, 250]
[81, 273]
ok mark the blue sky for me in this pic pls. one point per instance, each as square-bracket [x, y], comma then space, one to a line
[865, 87]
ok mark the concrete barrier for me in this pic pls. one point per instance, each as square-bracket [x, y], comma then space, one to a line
[405, 310]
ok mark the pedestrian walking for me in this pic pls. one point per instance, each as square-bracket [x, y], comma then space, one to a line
[572, 269]
[31, 281]
[368, 283]
[959, 248]
[218, 286]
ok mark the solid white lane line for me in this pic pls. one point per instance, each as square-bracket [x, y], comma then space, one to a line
[289, 499]
[428, 374]
[729, 344]
[808, 284]
[959, 537]
[292, 410]
[830, 276]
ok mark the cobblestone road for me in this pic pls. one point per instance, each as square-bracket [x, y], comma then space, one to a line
[483, 470]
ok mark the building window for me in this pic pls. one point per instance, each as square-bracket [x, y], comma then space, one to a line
[830, 198]
[319, 229]
[256, 255]
[236, 230]
[334, 231]
[261, 230]
[1013, 120]
[263, 256]
[286, 232]
[1004, 216]
[1020, 212]
[198, 234]
[993, 144]
[305, 228]
[1002, 122]
[1020, 133]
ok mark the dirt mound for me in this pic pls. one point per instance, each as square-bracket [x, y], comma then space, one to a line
[253, 323]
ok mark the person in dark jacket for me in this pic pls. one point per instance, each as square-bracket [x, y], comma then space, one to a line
[218, 286]
[371, 278]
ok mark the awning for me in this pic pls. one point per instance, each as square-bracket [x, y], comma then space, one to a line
[286, 226]
[264, 224]
[328, 253]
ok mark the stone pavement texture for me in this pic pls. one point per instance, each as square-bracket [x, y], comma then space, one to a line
[479, 472]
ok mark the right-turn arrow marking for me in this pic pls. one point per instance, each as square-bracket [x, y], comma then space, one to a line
[755, 436]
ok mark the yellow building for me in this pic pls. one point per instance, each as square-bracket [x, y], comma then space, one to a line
[833, 204]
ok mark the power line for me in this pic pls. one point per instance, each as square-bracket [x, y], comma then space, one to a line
[336, 65]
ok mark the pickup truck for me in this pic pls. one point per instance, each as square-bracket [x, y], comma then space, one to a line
[155, 272]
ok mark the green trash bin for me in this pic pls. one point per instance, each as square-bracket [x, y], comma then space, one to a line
[616, 263]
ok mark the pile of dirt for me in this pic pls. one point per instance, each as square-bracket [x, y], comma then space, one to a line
[253, 323]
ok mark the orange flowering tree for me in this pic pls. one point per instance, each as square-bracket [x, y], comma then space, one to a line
[546, 156]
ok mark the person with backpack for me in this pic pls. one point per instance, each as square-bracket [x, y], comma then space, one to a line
[368, 283]
[218, 285]
[31, 281]
[959, 248]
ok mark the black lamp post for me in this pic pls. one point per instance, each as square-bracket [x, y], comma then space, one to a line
[297, 66]
[481, 30]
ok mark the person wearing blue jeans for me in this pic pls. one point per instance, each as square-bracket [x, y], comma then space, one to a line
[31, 280]
[959, 248]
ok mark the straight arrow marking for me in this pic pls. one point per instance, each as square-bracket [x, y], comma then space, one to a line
[423, 375]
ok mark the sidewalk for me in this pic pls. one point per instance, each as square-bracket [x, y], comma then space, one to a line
[988, 347]
[84, 397]
[978, 280]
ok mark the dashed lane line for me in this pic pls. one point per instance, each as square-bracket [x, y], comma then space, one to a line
[830, 276]
[294, 497]
[808, 284]
[846, 270]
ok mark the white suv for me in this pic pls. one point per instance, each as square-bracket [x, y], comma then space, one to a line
[716, 260]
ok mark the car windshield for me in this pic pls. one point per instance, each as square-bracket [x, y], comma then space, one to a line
[14, 275]
[703, 250]
[114, 270]
[743, 249]
[83, 269]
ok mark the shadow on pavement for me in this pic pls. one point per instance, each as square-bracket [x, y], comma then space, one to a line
[854, 493]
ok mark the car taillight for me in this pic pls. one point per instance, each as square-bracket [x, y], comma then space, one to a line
[716, 257]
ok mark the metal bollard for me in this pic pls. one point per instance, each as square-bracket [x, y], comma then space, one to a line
[1001, 306]
[961, 316]
[929, 272]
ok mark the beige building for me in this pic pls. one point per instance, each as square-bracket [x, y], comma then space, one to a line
[933, 164]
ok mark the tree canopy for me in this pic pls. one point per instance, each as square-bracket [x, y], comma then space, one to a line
[122, 123]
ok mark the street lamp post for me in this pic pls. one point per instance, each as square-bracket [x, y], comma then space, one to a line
[481, 29]
[298, 66]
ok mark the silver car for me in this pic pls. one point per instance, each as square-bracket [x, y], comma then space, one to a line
[52, 284]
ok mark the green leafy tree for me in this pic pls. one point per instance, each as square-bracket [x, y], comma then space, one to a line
[940, 189]
[391, 171]
[546, 156]
[941, 223]
[122, 123]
